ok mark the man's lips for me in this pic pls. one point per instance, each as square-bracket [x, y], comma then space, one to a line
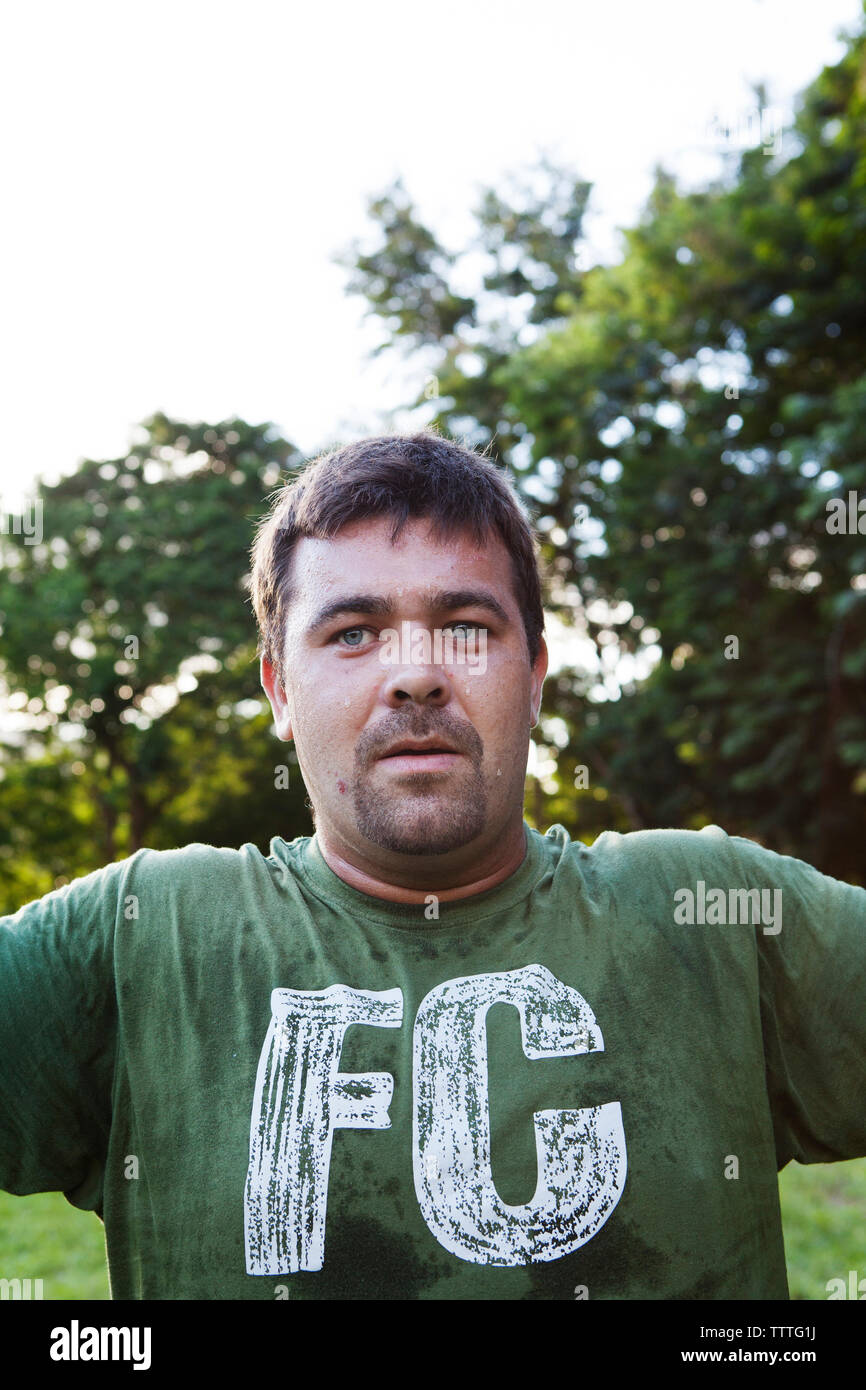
[413, 756]
[412, 746]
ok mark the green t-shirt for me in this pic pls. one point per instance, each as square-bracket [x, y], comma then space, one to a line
[579, 1083]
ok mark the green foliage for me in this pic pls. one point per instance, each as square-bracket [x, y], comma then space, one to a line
[678, 422]
[127, 637]
[405, 279]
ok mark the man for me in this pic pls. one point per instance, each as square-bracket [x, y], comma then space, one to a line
[429, 1052]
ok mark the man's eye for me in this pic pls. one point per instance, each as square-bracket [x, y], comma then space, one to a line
[462, 622]
[352, 637]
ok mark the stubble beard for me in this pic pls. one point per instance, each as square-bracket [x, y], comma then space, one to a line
[419, 816]
[419, 820]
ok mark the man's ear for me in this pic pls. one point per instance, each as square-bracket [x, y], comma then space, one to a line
[539, 671]
[277, 700]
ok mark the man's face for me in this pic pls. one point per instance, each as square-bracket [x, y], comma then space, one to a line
[352, 697]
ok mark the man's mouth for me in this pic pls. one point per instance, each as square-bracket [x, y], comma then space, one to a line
[412, 746]
[413, 755]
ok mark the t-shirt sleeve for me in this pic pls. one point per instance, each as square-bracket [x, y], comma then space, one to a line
[812, 966]
[58, 1032]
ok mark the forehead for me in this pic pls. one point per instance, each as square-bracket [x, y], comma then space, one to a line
[416, 561]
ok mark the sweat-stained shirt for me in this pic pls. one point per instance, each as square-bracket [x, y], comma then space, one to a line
[580, 1083]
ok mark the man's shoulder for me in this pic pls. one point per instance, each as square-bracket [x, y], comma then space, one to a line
[214, 869]
[680, 857]
[613, 847]
[666, 856]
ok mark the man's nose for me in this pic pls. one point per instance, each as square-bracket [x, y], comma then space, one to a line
[412, 675]
[425, 685]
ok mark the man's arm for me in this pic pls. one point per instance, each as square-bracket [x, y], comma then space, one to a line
[58, 1029]
[813, 1006]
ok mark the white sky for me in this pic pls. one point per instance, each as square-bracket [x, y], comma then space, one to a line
[178, 175]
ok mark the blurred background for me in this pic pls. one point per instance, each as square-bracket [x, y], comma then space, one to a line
[625, 245]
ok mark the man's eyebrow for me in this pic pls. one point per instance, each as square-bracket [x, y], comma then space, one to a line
[443, 600]
[469, 598]
[351, 603]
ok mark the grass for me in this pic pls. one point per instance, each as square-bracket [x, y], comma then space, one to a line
[43, 1237]
[824, 1221]
[823, 1214]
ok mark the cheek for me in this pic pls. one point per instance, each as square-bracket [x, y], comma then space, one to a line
[329, 719]
[498, 701]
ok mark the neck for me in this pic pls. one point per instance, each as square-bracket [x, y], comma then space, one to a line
[396, 881]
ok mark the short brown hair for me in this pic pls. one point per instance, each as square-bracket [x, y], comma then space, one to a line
[402, 476]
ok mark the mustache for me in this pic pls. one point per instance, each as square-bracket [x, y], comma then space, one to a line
[459, 733]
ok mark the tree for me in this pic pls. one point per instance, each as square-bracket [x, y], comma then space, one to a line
[127, 638]
[682, 421]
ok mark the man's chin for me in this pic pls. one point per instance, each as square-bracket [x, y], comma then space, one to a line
[413, 826]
